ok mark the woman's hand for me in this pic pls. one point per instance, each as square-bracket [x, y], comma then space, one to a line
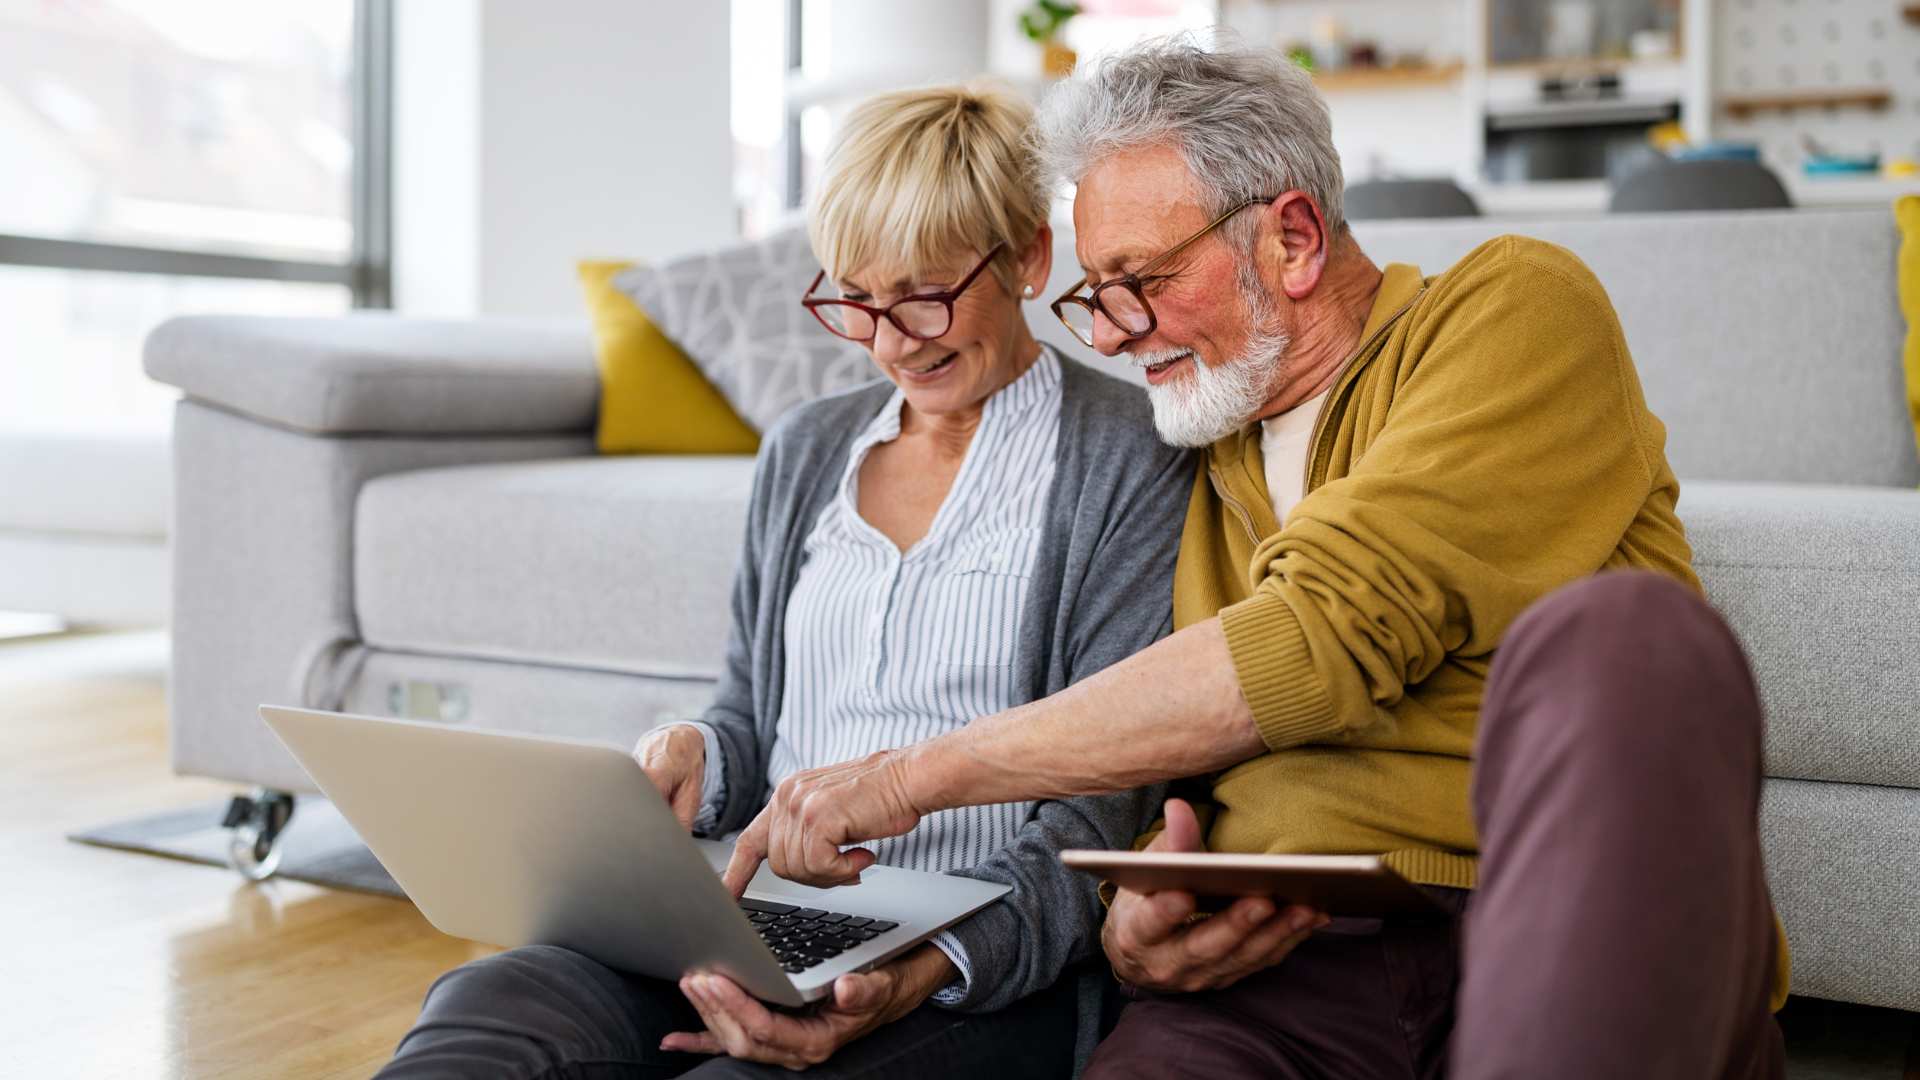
[741, 1027]
[675, 758]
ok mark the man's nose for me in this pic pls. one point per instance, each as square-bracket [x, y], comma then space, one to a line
[1108, 339]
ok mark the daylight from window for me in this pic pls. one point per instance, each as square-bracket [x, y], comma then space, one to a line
[188, 125]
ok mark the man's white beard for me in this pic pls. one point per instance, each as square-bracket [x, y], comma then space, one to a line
[1213, 401]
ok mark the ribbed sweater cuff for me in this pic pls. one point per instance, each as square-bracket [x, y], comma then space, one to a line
[1270, 657]
[1429, 867]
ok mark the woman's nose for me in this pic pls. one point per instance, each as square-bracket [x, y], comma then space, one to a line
[890, 346]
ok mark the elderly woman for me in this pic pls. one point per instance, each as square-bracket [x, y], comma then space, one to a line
[983, 527]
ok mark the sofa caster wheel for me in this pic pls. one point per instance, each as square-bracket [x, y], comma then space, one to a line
[254, 825]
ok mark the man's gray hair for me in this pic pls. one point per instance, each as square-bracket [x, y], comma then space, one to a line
[1249, 122]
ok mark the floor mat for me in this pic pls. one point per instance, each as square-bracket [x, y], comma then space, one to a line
[320, 847]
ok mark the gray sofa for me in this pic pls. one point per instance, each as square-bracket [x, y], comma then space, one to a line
[404, 517]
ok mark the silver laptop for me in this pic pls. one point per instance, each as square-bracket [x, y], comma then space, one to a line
[516, 839]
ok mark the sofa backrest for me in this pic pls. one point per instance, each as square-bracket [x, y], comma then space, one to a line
[1767, 341]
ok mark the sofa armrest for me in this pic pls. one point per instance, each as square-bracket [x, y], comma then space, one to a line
[263, 573]
[382, 374]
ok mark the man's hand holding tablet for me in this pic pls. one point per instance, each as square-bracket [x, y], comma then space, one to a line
[1151, 944]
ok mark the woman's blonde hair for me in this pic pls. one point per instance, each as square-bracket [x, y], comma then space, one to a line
[916, 175]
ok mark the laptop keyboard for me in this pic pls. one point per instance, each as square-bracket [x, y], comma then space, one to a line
[802, 937]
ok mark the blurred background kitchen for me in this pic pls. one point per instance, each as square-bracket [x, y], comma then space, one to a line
[453, 158]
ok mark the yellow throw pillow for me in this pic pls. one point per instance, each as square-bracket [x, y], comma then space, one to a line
[653, 400]
[1906, 211]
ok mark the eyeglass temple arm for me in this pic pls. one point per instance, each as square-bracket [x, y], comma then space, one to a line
[1189, 241]
[954, 293]
[807, 297]
[1172, 251]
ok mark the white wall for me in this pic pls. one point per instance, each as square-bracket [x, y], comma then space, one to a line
[853, 49]
[527, 136]
[906, 42]
[436, 158]
[1419, 131]
[1009, 53]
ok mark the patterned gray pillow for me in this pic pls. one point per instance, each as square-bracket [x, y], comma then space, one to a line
[736, 312]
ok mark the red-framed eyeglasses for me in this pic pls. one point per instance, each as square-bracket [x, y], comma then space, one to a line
[923, 317]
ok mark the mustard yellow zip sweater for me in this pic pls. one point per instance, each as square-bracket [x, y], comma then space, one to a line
[1487, 443]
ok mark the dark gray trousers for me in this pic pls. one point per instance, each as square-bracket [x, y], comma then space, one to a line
[1622, 926]
[549, 1013]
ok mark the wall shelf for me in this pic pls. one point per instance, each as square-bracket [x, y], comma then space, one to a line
[1741, 106]
[1574, 67]
[1387, 78]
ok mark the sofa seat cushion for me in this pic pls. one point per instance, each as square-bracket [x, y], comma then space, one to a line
[615, 564]
[100, 485]
[1822, 584]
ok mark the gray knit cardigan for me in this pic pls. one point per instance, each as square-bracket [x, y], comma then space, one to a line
[1102, 590]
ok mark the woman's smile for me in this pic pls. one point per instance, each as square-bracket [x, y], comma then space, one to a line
[928, 371]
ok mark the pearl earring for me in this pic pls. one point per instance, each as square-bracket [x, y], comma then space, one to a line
[1027, 292]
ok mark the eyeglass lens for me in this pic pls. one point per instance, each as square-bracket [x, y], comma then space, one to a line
[1079, 320]
[918, 318]
[1121, 304]
[1126, 309]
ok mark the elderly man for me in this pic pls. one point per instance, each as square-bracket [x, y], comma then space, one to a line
[1396, 468]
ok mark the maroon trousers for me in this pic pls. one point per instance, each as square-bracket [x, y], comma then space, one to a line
[1621, 927]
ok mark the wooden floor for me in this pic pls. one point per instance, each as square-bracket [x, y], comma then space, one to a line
[123, 965]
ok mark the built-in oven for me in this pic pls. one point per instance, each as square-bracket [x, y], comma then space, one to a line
[1578, 128]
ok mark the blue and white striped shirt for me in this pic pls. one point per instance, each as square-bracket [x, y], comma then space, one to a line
[886, 649]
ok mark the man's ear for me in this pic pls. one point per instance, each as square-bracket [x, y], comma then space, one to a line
[1296, 243]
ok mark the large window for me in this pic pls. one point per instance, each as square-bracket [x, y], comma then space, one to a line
[162, 157]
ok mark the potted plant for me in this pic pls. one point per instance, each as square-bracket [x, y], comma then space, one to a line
[1041, 22]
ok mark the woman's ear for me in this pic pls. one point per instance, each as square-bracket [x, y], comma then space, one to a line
[1036, 263]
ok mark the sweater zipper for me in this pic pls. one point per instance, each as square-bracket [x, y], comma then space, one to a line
[1340, 385]
[1345, 379]
[1246, 519]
